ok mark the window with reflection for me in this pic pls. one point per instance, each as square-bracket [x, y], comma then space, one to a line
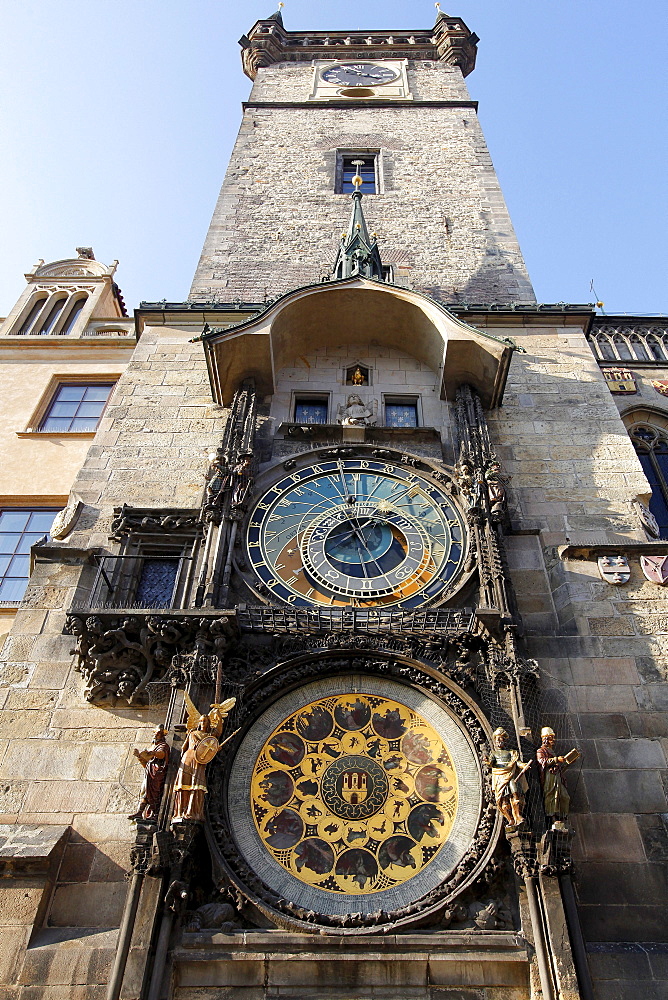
[652, 449]
[76, 408]
[19, 529]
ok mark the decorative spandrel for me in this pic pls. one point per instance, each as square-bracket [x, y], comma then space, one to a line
[354, 794]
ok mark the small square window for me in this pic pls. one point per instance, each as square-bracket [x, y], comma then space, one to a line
[349, 165]
[310, 410]
[19, 529]
[401, 413]
[76, 408]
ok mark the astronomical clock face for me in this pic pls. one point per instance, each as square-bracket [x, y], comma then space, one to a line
[354, 794]
[356, 532]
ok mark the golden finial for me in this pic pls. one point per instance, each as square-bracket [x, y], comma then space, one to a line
[357, 180]
[281, 5]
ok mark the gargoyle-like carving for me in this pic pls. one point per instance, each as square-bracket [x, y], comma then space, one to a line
[137, 519]
[119, 656]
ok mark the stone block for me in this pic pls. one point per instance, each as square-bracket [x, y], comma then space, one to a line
[604, 725]
[100, 828]
[654, 833]
[12, 795]
[105, 763]
[19, 903]
[42, 759]
[636, 753]
[21, 698]
[76, 863]
[88, 904]
[12, 951]
[619, 698]
[58, 957]
[621, 884]
[23, 724]
[626, 791]
[608, 838]
[66, 796]
[111, 863]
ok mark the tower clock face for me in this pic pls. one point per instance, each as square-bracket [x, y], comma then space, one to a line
[366, 533]
[360, 74]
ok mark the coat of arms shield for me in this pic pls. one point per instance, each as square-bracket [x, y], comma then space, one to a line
[614, 569]
[655, 569]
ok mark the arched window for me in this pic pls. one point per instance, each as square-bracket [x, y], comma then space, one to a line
[73, 315]
[605, 350]
[655, 348]
[639, 348]
[52, 316]
[26, 325]
[652, 448]
[622, 348]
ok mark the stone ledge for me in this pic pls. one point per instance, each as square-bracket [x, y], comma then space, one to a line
[277, 958]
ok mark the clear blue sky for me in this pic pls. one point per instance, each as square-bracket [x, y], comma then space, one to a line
[118, 119]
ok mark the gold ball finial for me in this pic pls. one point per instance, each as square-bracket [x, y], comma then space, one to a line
[281, 5]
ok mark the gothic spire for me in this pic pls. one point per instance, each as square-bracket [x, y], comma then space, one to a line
[358, 251]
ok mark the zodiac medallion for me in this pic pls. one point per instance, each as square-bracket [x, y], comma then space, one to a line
[354, 793]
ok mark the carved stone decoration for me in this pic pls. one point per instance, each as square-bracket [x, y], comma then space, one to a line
[128, 520]
[119, 656]
[229, 478]
[356, 413]
[655, 569]
[66, 518]
[647, 519]
[364, 913]
[614, 569]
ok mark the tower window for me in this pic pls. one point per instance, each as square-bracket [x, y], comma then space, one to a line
[311, 410]
[19, 529]
[652, 450]
[401, 411]
[349, 164]
[76, 408]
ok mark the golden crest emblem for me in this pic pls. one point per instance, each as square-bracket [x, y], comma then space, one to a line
[620, 380]
[661, 386]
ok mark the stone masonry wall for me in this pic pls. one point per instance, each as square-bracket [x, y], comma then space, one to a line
[440, 213]
[602, 649]
[63, 761]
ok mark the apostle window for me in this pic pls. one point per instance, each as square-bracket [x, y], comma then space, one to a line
[311, 410]
[351, 164]
[19, 529]
[401, 411]
[76, 408]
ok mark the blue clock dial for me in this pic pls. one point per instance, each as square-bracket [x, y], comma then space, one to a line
[366, 533]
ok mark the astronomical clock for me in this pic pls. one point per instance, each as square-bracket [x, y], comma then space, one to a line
[355, 792]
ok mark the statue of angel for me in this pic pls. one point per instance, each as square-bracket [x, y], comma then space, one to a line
[356, 413]
[200, 747]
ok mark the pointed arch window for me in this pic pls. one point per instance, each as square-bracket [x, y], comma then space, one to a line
[622, 348]
[73, 315]
[52, 316]
[26, 325]
[652, 449]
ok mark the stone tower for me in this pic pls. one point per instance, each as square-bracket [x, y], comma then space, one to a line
[361, 558]
[435, 200]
